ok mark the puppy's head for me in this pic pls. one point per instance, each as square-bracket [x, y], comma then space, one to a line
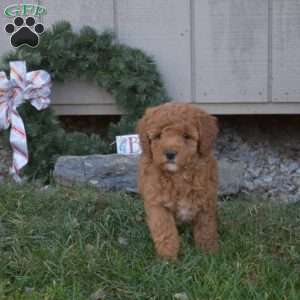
[174, 135]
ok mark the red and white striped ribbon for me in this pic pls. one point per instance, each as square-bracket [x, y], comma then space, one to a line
[34, 87]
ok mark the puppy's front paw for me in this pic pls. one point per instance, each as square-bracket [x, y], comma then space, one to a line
[167, 254]
[208, 246]
[168, 249]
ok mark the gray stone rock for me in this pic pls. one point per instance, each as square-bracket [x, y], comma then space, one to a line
[273, 160]
[249, 186]
[231, 176]
[255, 171]
[70, 170]
[267, 179]
[293, 167]
[296, 181]
[119, 172]
[284, 167]
[111, 172]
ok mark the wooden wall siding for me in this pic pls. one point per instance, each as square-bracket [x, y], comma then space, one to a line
[80, 97]
[229, 56]
[162, 29]
[96, 13]
[286, 50]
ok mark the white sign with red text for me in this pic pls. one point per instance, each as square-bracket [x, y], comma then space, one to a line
[128, 144]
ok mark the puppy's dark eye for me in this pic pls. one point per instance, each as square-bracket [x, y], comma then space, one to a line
[186, 136]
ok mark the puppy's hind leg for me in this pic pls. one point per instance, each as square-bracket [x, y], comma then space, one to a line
[163, 230]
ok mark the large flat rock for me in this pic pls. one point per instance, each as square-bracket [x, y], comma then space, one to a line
[110, 172]
[119, 172]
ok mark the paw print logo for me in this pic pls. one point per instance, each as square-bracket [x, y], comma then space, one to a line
[24, 33]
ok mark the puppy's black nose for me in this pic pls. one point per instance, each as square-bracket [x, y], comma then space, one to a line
[170, 154]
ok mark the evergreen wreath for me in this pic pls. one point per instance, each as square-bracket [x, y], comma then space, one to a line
[128, 74]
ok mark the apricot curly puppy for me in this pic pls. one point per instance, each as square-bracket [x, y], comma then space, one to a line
[178, 175]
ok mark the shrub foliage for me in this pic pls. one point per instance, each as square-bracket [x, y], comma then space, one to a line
[127, 73]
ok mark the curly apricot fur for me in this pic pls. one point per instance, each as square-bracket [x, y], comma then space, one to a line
[183, 189]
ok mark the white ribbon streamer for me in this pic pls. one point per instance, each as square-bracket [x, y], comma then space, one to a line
[34, 87]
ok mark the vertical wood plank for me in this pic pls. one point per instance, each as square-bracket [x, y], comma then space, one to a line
[162, 29]
[98, 14]
[231, 50]
[286, 51]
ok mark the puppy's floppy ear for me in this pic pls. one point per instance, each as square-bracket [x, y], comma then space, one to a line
[208, 131]
[143, 134]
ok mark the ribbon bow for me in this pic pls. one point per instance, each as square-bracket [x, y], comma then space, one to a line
[21, 87]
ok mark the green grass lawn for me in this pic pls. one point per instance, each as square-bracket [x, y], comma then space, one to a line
[69, 243]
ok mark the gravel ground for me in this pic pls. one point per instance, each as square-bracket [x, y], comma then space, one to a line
[269, 147]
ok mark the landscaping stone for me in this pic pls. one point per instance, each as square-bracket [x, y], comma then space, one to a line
[270, 152]
[231, 176]
[259, 156]
[119, 172]
[111, 172]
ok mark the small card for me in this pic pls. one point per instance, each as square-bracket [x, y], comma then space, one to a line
[128, 144]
